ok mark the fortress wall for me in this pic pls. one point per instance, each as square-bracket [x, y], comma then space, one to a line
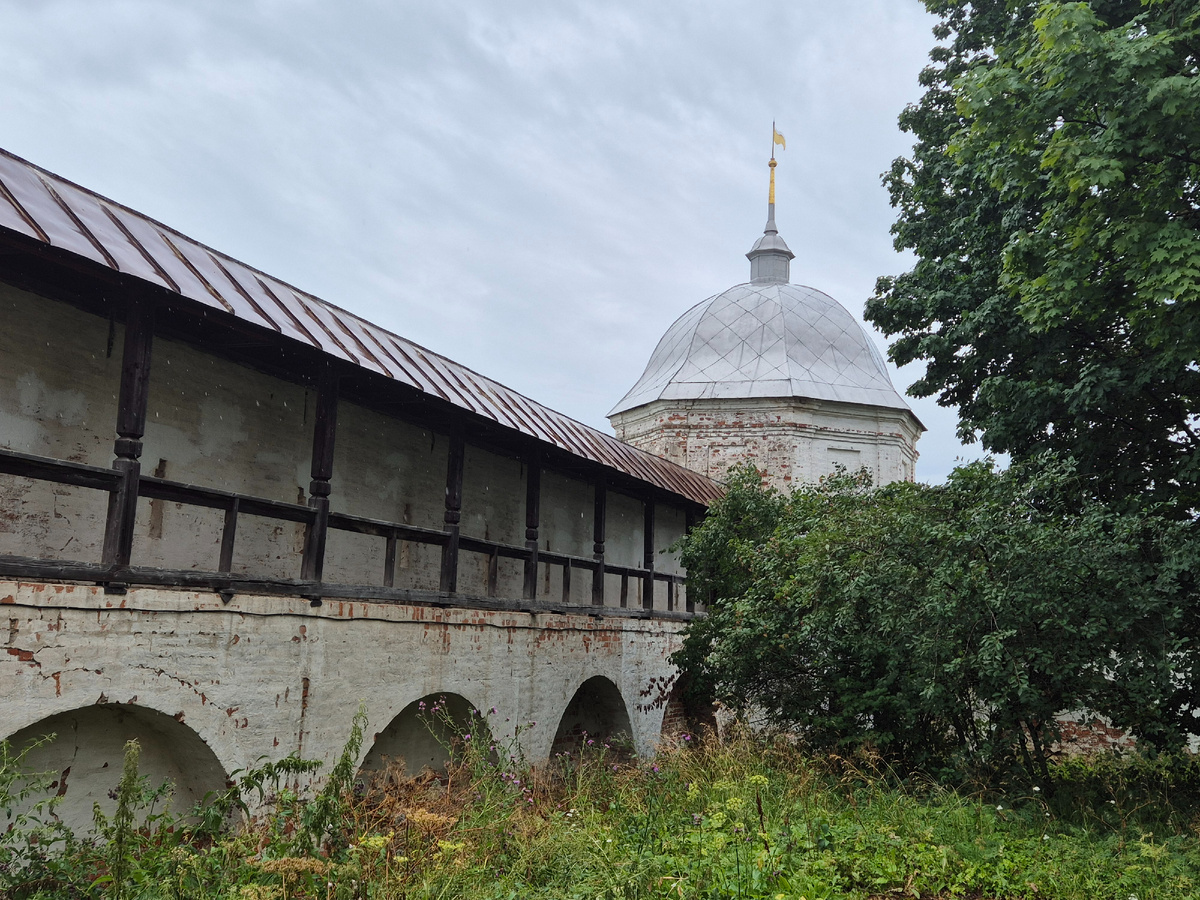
[58, 397]
[219, 424]
[268, 676]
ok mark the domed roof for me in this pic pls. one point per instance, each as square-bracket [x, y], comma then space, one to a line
[766, 339]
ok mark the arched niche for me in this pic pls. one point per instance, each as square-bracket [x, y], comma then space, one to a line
[87, 754]
[598, 711]
[684, 714]
[422, 733]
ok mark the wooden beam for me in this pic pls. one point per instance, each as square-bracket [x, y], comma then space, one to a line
[319, 489]
[389, 561]
[454, 490]
[228, 535]
[533, 513]
[599, 527]
[648, 555]
[131, 428]
[493, 573]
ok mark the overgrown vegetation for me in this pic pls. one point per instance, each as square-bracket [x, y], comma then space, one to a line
[1051, 201]
[750, 817]
[945, 627]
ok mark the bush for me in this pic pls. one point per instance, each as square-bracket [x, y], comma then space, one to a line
[947, 627]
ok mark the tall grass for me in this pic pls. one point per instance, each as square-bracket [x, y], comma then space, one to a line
[747, 817]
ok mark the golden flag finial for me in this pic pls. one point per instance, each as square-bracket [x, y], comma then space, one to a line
[776, 138]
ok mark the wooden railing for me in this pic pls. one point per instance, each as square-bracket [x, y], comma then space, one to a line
[234, 505]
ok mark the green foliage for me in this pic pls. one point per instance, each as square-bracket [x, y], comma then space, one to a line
[33, 843]
[1051, 200]
[321, 817]
[948, 626]
[751, 817]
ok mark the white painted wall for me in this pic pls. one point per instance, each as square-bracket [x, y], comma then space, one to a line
[268, 676]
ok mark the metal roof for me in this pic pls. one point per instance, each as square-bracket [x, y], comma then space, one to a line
[43, 206]
[767, 339]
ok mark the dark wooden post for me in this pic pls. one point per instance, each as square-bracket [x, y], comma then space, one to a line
[598, 535]
[324, 433]
[389, 560]
[648, 556]
[454, 491]
[689, 604]
[493, 573]
[228, 536]
[533, 513]
[131, 428]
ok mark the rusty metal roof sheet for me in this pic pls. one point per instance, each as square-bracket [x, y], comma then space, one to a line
[40, 205]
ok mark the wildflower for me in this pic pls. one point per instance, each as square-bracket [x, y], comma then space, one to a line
[760, 781]
[466, 737]
[1037, 790]
[999, 808]
[1045, 837]
[733, 804]
[493, 711]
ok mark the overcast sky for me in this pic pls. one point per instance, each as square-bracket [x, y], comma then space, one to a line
[535, 189]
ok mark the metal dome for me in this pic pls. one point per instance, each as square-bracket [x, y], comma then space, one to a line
[766, 339]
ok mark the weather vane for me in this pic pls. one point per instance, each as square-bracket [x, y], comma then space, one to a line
[776, 138]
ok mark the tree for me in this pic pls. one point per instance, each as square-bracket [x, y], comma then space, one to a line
[1053, 202]
[947, 626]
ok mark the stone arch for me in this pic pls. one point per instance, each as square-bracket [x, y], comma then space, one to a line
[421, 734]
[597, 710]
[686, 715]
[87, 753]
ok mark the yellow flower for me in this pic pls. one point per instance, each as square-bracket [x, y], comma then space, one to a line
[376, 842]
[759, 781]
[733, 804]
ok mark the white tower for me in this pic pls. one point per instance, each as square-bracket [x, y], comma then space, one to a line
[774, 373]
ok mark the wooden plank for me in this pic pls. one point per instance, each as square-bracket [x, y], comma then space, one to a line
[599, 527]
[453, 516]
[319, 489]
[533, 513]
[59, 471]
[213, 498]
[131, 427]
[54, 570]
[383, 528]
[228, 535]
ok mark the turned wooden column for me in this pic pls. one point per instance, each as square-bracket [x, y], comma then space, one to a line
[454, 491]
[533, 513]
[132, 402]
[648, 555]
[599, 526]
[319, 489]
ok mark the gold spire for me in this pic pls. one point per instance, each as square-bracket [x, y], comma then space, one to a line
[771, 199]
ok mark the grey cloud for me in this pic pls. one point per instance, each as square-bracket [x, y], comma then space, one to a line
[536, 189]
